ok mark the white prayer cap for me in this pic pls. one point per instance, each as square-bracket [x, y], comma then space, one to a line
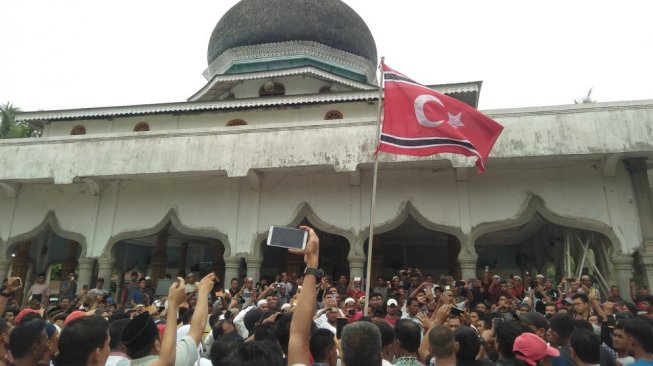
[262, 302]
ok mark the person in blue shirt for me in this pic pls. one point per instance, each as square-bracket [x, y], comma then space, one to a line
[68, 287]
[139, 297]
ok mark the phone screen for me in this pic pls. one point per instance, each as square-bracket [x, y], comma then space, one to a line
[287, 237]
[340, 323]
[457, 312]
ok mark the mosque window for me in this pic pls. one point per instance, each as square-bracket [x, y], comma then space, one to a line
[78, 130]
[236, 122]
[271, 89]
[333, 115]
[141, 127]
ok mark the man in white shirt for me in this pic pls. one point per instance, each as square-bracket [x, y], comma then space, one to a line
[39, 291]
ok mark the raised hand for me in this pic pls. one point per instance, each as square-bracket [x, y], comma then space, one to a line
[177, 292]
[312, 251]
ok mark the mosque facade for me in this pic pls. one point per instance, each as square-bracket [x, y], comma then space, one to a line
[284, 133]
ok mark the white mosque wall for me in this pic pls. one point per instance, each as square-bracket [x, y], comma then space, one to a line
[232, 183]
[203, 120]
[238, 211]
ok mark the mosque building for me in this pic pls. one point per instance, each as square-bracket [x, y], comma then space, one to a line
[283, 133]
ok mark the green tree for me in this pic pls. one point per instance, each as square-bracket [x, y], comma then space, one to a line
[9, 129]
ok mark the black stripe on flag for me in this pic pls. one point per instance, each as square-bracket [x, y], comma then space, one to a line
[391, 76]
[425, 142]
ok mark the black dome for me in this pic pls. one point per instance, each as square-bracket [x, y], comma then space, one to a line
[328, 22]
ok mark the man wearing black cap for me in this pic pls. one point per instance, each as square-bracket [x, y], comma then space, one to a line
[141, 336]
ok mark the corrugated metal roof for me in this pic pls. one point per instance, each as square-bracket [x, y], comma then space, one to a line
[107, 112]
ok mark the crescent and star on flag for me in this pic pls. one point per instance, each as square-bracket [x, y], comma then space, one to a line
[454, 120]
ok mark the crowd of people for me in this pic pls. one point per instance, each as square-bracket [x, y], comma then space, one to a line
[311, 319]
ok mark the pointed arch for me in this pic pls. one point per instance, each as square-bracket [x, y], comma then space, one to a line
[534, 205]
[172, 218]
[51, 222]
[407, 209]
[305, 211]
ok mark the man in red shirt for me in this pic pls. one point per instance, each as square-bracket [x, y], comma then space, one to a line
[392, 312]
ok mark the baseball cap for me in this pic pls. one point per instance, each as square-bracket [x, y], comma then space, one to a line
[74, 315]
[21, 315]
[530, 348]
[392, 302]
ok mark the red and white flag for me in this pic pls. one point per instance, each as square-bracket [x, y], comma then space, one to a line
[420, 121]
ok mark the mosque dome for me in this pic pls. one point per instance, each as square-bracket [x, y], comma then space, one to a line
[330, 23]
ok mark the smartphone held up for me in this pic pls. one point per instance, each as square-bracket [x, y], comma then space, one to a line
[287, 237]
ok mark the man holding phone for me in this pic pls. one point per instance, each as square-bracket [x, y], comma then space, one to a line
[39, 291]
[68, 287]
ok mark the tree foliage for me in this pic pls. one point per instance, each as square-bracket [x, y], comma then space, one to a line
[9, 129]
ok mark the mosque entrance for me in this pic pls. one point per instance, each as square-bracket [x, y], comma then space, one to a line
[169, 253]
[334, 250]
[412, 245]
[541, 247]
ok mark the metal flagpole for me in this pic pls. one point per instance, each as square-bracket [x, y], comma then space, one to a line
[370, 241]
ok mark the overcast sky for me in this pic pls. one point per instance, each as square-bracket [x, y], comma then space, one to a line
[73, 54]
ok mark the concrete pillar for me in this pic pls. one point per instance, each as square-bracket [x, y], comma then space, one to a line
[254, 267]
[4, 268]
[468, 267]
[638, 169]
[646, 264]
[623, 268]
[357, 268]
[231, 265]
[105, 270]
[85, 272]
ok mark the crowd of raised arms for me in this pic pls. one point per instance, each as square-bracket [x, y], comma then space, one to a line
[412, 319]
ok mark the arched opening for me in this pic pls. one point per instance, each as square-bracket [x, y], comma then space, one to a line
[141, 127]
[539, 246]
[334, 250]
[46, 252]
[411, 245]
[271, 89]
[164, 256]
[236, 122]
[330, 115]
[78, 130]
